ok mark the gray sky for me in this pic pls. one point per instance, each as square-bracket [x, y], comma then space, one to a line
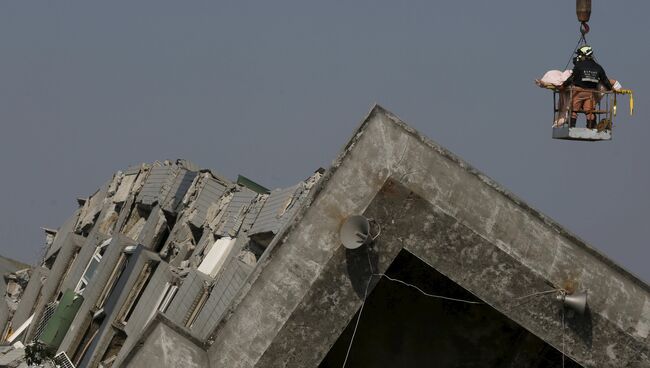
[272, 90]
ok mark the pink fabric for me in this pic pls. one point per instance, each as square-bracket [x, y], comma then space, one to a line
[555, 77]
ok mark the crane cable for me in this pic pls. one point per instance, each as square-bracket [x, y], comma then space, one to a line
[581, 41]
[584, 29]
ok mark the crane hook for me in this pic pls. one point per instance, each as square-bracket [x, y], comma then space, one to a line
[584, 28]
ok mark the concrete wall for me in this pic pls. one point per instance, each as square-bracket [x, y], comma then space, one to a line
[71, 244]
[4, 309]
[164, 346]
[188, 293]
[114, 305]
[36, 293]
[146, 309]
[277, 317]
[228, 283]
[81, 261]
[93, 291]
[30, 296]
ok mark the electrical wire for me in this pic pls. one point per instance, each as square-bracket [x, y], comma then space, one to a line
[380, 275]
[563, 345]
[427, 294]
[356, 325]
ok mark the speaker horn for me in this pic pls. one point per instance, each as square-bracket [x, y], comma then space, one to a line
[575, 301]
[355, 232]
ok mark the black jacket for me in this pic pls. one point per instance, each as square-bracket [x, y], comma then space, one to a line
[587, 74]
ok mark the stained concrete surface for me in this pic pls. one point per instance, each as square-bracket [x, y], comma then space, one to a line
[167, 347]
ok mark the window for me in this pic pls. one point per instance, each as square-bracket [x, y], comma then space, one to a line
[169, 294]
[164, 300]
[91, 268]
[136, 292]
[198, 306]
[112, 280]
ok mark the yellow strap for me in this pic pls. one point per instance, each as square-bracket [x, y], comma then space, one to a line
[631, 93]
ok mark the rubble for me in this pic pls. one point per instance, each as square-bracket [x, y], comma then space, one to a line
[16, 284]
[167, 238]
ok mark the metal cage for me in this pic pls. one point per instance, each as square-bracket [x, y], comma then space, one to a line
[604, 110]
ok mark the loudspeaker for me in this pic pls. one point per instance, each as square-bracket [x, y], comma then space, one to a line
[355, 232]
[575, 301]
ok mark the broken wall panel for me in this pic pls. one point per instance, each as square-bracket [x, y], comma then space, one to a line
[253, 212]
[136, 222]
[166, 185]
[271, 216]
[14, 279]
[234, 214]
[172, 196]
[153, 185]
[206, 240]
[179, 244]
[4, 313]
[187, 297]
[128, 184]
[30, 296]
[228, 284]
[153, 229]
[91, 209]
[206, 193]
[68, 226]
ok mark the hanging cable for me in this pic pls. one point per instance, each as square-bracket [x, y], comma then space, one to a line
[581, 40]
[563, 344]
[380, 275]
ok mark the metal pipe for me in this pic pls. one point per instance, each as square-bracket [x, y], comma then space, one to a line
[583, 10]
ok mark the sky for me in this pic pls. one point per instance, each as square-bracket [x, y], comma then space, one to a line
[273, 90]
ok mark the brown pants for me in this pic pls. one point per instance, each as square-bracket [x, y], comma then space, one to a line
[583, 100]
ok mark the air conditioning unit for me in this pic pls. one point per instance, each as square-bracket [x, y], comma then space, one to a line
[62, 361]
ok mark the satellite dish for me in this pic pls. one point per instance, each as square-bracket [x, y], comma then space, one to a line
[355, 232]
[576, 301]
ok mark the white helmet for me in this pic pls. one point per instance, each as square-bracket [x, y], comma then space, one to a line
[585, 51]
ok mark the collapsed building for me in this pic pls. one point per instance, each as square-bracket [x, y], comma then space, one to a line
[168, 264]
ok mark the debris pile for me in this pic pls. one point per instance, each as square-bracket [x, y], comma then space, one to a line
[167, 240]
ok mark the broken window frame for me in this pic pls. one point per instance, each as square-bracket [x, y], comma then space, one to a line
[90, 333]
[165, 299]
[112, 281]
[168, 296]
[96, 260]
[136, 292]
[113, 349]
[200, 303]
